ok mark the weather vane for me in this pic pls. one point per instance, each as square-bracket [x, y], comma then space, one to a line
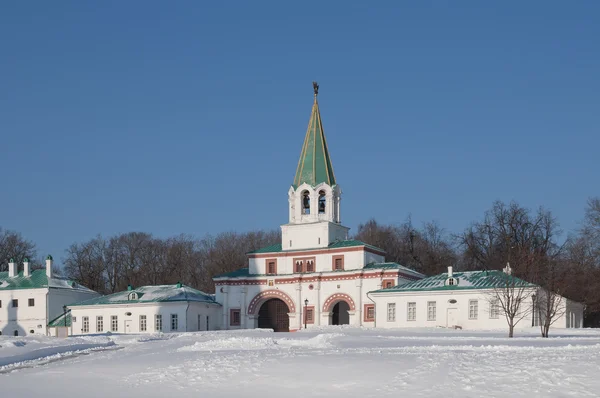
[316, 88]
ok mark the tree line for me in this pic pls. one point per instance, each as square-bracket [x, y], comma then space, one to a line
[531, 241]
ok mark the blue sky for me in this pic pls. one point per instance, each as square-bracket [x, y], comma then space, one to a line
[188, 117]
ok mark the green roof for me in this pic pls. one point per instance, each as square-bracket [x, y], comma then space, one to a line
[276, 248]
[465, 280]
[314, 165]
[37, 280]
[245, 272]
[151, 294]
[61, 320]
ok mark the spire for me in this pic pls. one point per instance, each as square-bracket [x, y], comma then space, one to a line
[314, 166]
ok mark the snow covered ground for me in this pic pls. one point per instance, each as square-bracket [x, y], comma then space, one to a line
[328, 362]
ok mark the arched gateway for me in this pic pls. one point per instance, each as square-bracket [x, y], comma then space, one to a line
[272, 307]
[338, 305]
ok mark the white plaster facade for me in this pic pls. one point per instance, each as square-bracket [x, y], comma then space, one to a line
[39, 299]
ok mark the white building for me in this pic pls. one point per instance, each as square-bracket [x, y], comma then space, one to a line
[466, 300]
[29, 300]
[315, 276]
[146, 309]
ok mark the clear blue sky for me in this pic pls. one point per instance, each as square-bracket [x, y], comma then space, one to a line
[188, 117]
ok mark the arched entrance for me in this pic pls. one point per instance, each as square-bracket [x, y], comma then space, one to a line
[273, 314]
[339, 313]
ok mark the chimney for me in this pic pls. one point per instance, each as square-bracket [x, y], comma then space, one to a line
[129, 288]
[507, 270]
[12, 268]
[450, 272]
[26, 268]
[49, 266]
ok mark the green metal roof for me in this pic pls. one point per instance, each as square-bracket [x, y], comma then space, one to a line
[466, 280]
[276, 248]
[61, 320]
[314, 165]
[37, 280]
[151, 294]
[391, 265]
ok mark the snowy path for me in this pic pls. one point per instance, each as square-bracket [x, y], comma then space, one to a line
[332, 362]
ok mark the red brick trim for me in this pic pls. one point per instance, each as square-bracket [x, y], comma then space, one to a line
[386, 281]
[334, 298]
[269, 294]
[231, 321]
[305, 318]
[304, 267]
[334, 259]
[267, 262]
[366, 317]
[315, 252]
[342, 276]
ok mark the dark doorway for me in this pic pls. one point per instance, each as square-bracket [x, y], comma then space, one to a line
[273, 314]
[339, 315]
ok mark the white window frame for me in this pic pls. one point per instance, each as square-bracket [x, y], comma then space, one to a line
[99, 324]
[85, 328]
[473, 309]
[174, 322]
[114, 323]
[391, 312]
[494, 309]
[411, 311]
[158, 326]
[431, 310]
[143, 323]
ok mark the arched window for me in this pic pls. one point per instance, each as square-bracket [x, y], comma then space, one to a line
[16, 333]
[310, 266]
[305, 202]
[298, 266]
[322, 202]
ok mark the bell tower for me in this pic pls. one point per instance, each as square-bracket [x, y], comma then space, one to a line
[314, 197]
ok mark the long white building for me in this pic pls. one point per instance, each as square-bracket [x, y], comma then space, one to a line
[29, 300]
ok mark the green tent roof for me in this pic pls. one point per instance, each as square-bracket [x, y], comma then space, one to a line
[466, 280]
[314, 165]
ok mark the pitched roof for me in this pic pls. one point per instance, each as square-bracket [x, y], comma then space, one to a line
[151, 294]
[392, 265]
[38, 280]
[466, 280]
[314, 165]
[276, 248]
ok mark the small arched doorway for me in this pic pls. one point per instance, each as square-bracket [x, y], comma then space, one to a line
[339, 313]
[273, 314]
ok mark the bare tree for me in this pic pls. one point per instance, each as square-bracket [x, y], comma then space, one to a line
[13, 245]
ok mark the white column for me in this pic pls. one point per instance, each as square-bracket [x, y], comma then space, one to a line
[225, 307]
[317, 314]
[359, 301]
[243, 317]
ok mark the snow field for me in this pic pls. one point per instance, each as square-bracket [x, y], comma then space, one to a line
[326, 361]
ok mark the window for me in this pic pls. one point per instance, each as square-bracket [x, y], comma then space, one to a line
[271, 266]
[494, 309]
[473, 309]
[16, 333]
[391, 312]
[31, 302]
[431, 310]
[86, 324]
[174, 322]
[310, 266]
[411, 312]
[158, 323]
[309, 314]
[321, 202]
[207, 322]
[298, 266]
[199, 322]
[369, 313]
[114, 323]
[99, 324]
[234, 317]
[305, 202]
[74, 319]
[338, 263]
[387, 283]
[451, 282]
[0, 303]
[142, 323]
[15, 303]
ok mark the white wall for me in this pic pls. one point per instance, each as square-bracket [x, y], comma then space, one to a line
[23, 319]
[447, 314]
[58, 298]
[187, 317]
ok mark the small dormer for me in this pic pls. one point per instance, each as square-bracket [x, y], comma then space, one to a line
[133, 296]
[450, 280]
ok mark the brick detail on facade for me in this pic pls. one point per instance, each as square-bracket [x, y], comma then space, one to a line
[337, 263]
[309, 310]
[271, 266]
[388, 283]
[336, 297]
[269, 294]
[369, 317]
